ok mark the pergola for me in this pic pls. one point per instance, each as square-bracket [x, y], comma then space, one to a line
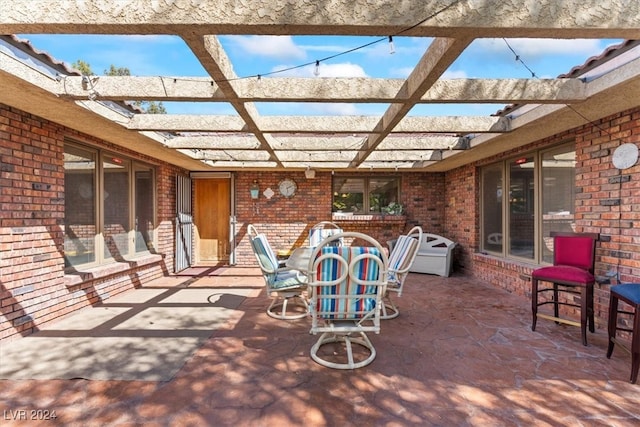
[394, 140]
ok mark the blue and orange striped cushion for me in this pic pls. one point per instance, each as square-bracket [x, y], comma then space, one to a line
[331, 269]
[400, 258]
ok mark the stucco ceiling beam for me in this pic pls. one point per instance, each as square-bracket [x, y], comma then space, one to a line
[214, 60]
[14, 67]
[317, 142]
[186, 123]
[411, 142]
[360, 90]
[130, 88]
[438, 57]
[505, 91]
[317, 124]
[214, 142]
[313, 125]
[318, 165]
[453, 124]
[245, 165]
[621, 75]
[230, 155]
[442, 18]
[316, 156]
[406, 156]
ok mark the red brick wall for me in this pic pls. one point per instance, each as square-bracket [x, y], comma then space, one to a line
[31, 240]
[286, 222]
[607, 202]
[462, 213]
[33, 286]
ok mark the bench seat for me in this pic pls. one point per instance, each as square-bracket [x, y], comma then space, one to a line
[435, 256]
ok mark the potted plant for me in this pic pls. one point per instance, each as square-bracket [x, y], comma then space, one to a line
[392, 208]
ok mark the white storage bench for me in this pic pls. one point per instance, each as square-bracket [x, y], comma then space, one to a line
[435, 256]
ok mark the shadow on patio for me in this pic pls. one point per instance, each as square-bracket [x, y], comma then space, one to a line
[461, 353]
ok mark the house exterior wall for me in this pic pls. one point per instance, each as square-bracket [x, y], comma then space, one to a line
[287, 221]
[600, 208]
[34, 288]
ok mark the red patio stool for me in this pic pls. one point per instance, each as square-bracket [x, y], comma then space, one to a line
[629, 293]
[571, 273]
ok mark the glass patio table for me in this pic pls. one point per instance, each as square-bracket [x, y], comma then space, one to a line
[299, 259]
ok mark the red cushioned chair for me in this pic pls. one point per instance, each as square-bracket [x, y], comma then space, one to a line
[572, 274]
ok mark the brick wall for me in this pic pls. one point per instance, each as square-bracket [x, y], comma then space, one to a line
[607, 202]
[35, 290]
[286, 222]
[32, 207]
[33, 286]
[462, 213]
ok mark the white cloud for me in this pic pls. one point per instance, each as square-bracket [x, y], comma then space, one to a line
[346, 69]
[280, 47]
[400, 72]
[534, 48]
[308, 109]
[332, 109]
[323, 48]
[457, 74]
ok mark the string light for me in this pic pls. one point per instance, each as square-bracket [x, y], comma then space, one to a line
[317, 62]
[392, 48]
[518, 59]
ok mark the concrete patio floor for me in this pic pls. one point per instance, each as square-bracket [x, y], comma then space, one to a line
[460, 354]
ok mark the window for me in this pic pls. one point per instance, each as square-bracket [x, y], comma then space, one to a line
[521, 207]
[109, 206]
[492, 195]
[80, 220]
[540, 199]
[115, 172]
[144, 209]
[364, 195]
[558, 175]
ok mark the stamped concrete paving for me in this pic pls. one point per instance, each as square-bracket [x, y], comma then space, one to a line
[460, 354]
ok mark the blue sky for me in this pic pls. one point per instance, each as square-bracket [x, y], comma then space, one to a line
[252, 55]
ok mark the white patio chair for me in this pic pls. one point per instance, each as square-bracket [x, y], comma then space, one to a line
[346, 285]
[285, 286]
[401, 259]
[321, 231]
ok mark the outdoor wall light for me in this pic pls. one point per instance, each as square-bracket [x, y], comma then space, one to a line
[254, 190]
[309, 173]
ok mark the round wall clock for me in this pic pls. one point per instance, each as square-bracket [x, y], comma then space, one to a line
[287, 187]
[625, 156]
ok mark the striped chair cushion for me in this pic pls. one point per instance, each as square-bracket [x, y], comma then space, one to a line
[266, 257]
[276, 280]
[287, 279]
[361, 297]
[401, 257]
[264, 248]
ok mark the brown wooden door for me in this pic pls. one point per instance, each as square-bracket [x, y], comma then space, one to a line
[212, 208]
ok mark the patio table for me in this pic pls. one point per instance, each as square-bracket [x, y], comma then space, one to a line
[299, 259]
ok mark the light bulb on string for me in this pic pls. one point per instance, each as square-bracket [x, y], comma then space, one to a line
[392, 47]
[316, 70]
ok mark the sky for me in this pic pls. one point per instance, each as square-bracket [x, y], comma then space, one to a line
[339, 56]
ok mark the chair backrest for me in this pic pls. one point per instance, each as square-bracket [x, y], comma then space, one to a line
[267, 259]
[347, 283]
[575, 249]
[403, 254]
[321, 231]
